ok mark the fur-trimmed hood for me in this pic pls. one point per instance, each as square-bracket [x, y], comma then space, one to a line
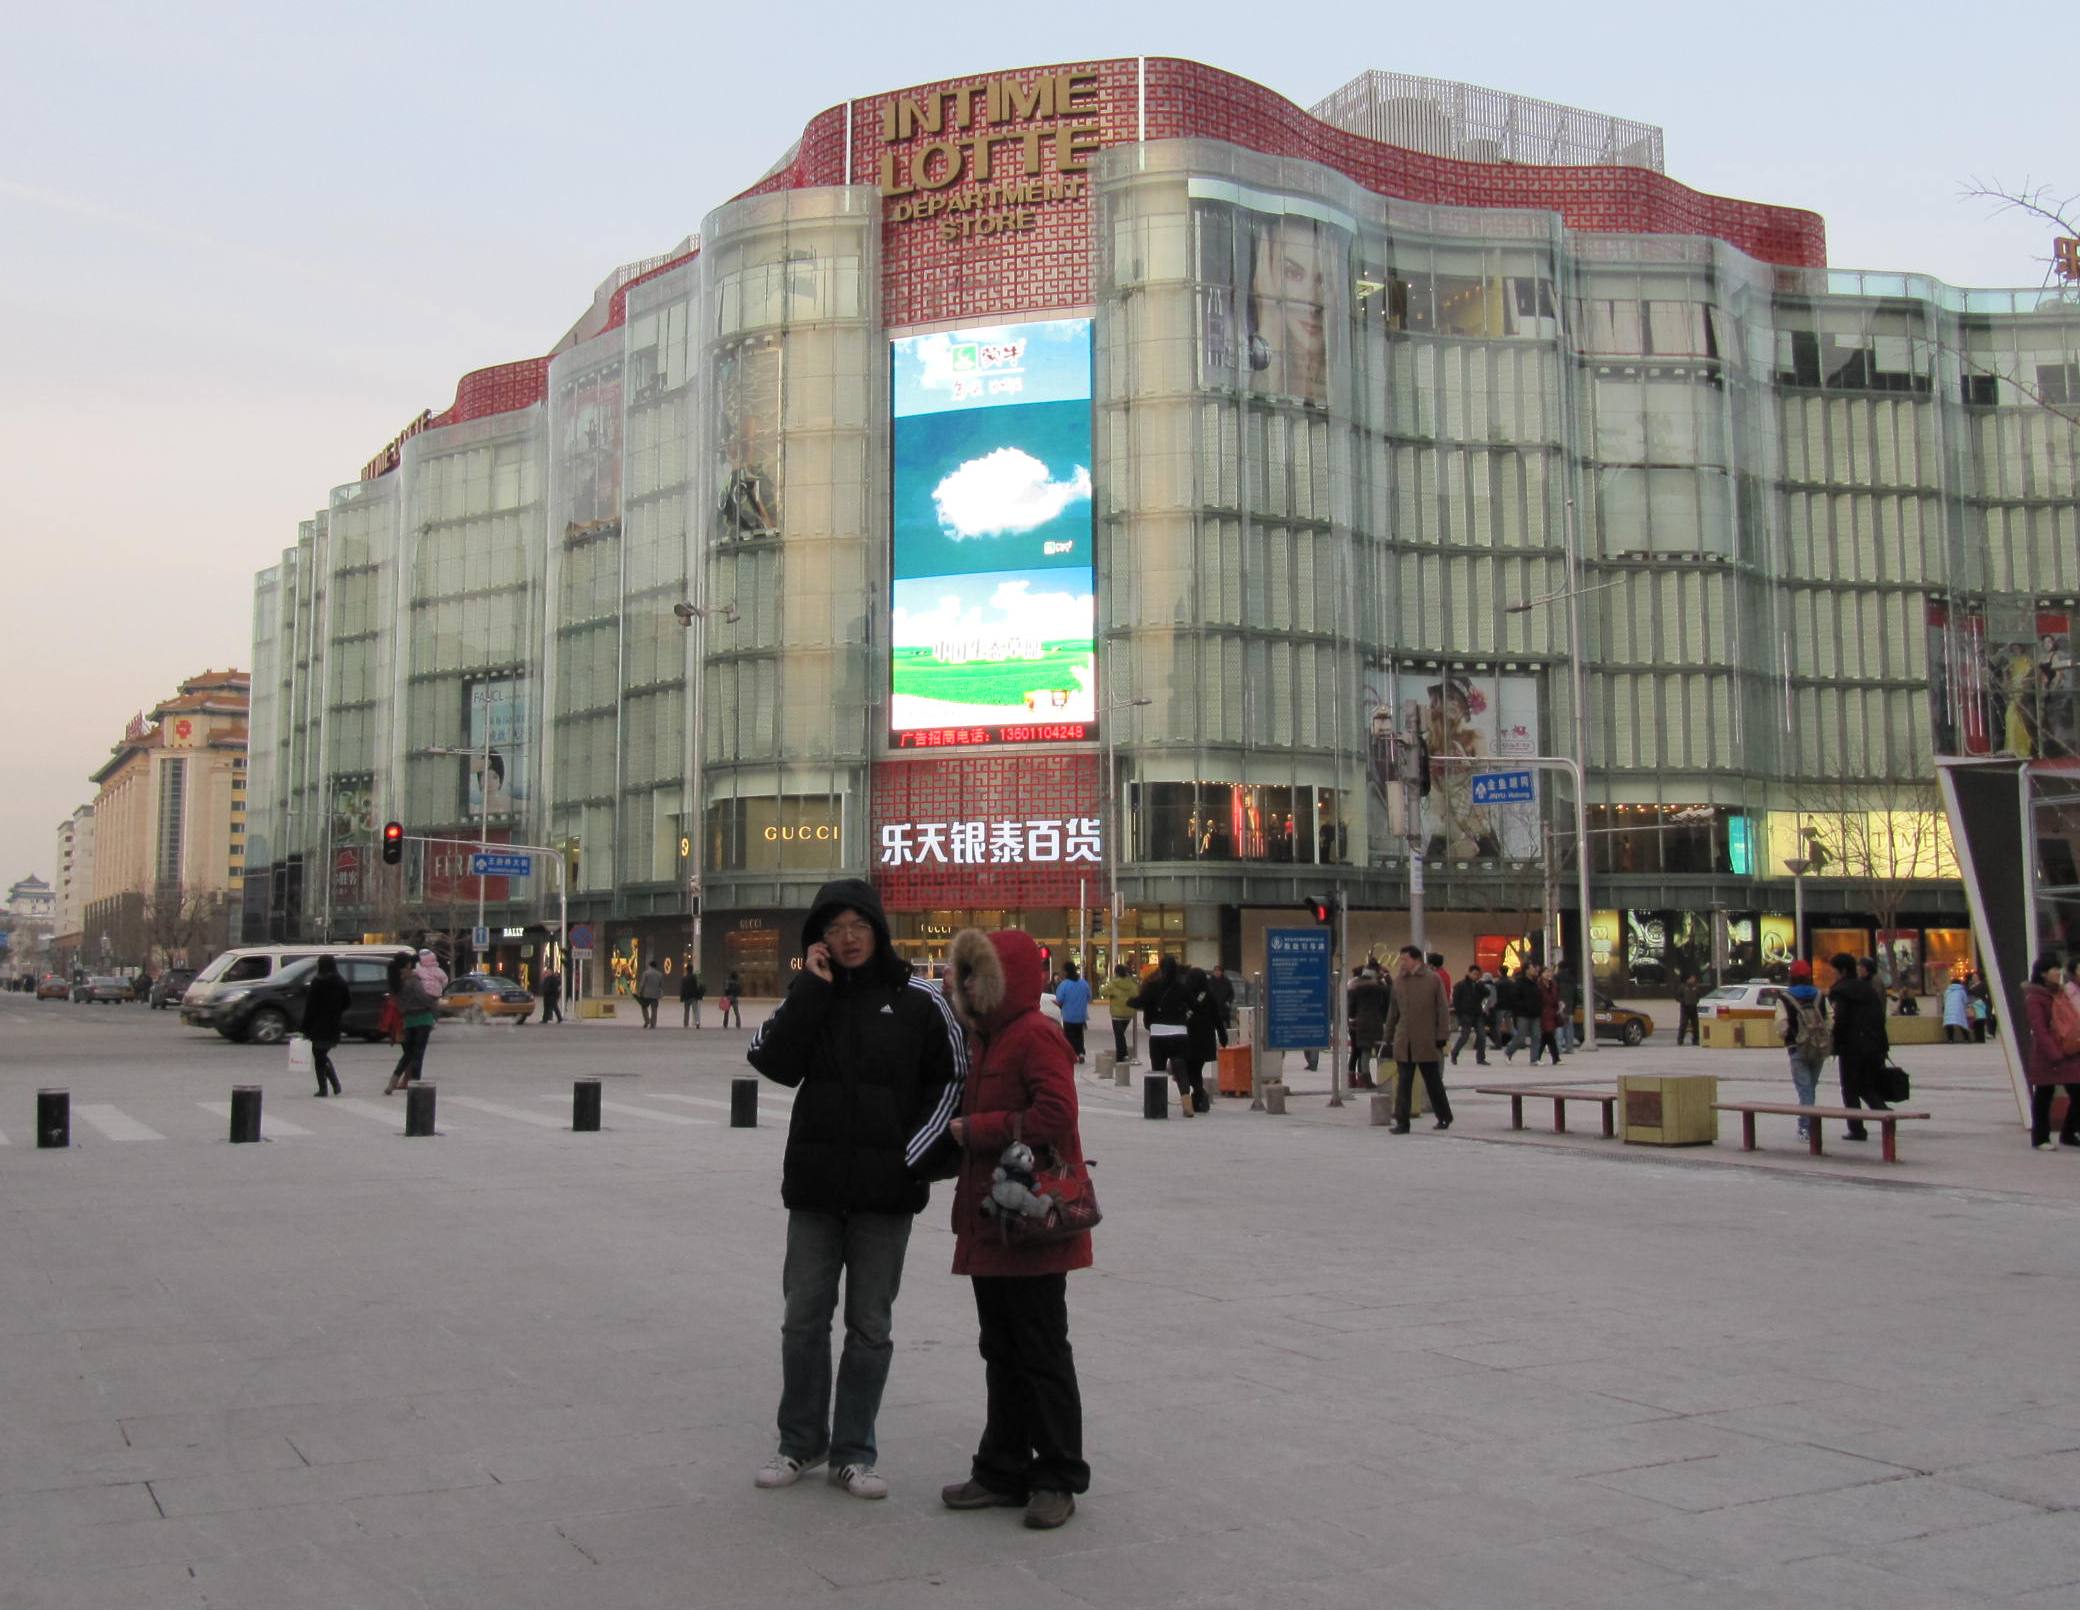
[993, 979]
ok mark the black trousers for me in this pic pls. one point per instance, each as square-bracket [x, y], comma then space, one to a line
[411, 1058]
[321, 1064]
[1686, 1023]
[1033, 1439]
[1471, 1029]
[1074, 1031]
[1120, 1026]
[2040, 1099]
[1433, 1084]
[1863, 1085]
[549, 1012]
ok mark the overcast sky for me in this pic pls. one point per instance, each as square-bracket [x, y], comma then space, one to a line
[240, 246]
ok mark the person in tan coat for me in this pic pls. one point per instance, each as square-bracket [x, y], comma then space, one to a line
[1418, 1024]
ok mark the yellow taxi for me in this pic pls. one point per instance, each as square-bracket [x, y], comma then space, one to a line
[480, 997]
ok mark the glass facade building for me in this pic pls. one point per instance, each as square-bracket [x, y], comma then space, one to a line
[1386, 451]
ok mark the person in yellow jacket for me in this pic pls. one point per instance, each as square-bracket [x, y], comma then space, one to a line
[1118, 994]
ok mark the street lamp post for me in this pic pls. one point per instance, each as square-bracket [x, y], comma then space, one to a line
[697, 754]
[1798, 866]
[1112, 831]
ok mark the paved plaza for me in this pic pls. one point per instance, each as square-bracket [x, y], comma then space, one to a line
[511, 1366]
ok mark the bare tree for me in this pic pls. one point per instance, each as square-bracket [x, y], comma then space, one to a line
[2061, 265]
[1878, 848]
[178, 926]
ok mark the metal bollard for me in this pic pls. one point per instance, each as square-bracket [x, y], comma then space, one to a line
[245, 1115]
[743, 1104]
[1155, 1096]
[1101, 1069]
[53, 1118]
[1275, 1097]
[418, 1108]
[585, 1106]
[1123, 1073]
[1382, 1110]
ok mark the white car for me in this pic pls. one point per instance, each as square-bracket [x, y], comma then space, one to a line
[1754, 995]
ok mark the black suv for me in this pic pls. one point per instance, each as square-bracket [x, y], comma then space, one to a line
[269, 1011]
[170, 986]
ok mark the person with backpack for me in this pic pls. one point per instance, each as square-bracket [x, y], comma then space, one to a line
[2054, 1052]
[1807, 1037]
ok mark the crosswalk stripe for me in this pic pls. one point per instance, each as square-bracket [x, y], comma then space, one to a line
[499, 1109]
[626, 1111]
[113, 1123]
[392, 1114]
[269, 1124]
[777, 1105]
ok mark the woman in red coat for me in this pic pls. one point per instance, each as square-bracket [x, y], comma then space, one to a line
[2049, 1065]
[1032, 1444]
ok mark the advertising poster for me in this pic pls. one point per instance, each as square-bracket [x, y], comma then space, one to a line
[502, 706]
[2028, 680]
[1779, 942]
[1274, 274]
[591, 446]
[995, 621]
[747, 435]
[1471, 720]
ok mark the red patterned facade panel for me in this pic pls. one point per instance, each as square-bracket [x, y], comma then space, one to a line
[988, 830]
[617, 304]
[497, 390]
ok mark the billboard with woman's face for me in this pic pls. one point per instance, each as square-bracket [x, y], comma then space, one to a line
[1274, 273]
[994, 615]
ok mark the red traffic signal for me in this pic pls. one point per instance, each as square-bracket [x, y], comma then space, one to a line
[393, 843]
[1322, 907]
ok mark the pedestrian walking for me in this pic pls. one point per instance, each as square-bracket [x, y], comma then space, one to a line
[2053, 1058]
[324, 1006]
[690, 993]
[1688, 993]
[1548, 1018]
[1022, 1090]
[877, 1061]
[1119, 992]
[1979, 1004]
[1161, 1003]
[1860, 1041]
[1419, 1022]
[1201, 1037]
[1521, 1002]
[649, 991]
[1366, 1004]
[551, 987]
[1564, 987]
[732, 998]
[1808, 1037]
[1072, 997]
[1473, 1002]
[415, 1008]
[1957, 1013]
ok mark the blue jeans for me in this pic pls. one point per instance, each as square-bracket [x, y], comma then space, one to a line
[867, 1249]
[1805, 1078]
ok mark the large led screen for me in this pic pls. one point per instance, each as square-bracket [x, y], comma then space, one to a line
[994, 636]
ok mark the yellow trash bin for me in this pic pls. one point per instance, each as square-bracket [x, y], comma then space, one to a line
[1672, 1109]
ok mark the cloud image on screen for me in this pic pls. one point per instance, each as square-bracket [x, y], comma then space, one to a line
[1001, 647]
[1006, 492]
[993, 489]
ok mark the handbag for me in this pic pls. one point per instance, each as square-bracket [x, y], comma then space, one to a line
[390, 1020]
[1894, 1085]
[300, 1060]
[1071, 1200]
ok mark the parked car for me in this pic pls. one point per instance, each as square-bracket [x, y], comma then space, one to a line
[170, 986]
[104, 989]
[268, 1010]
[1615, 1022]
[481, 996]
[1754, 994]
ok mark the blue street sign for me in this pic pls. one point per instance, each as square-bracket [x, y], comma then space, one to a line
[1296, 989]
[1503, 788]
[489, 865]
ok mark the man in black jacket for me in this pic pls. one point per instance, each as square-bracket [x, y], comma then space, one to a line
[878, 1061]
[1473, 1004]
[1861, 1044]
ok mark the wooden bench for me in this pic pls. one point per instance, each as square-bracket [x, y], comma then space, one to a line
[1559, 1096]
[1888, 1121]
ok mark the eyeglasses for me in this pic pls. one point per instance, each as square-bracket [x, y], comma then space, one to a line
[849, 930]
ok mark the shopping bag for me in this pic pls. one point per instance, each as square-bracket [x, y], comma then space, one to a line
[299, 1054]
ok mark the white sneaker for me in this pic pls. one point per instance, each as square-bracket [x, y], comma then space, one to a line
[784, 1470]
[859, 1480]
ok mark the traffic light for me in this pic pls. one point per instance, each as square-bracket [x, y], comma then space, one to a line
[1046, 954]
[393, 843]
[1322, 906]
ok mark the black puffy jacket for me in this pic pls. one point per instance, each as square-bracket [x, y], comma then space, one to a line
[878, 1063]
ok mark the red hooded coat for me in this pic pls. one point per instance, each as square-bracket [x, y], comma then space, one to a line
[1022, 1065]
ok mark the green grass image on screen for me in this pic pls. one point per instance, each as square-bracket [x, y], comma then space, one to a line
[921, 675]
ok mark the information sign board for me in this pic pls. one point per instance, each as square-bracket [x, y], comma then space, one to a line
[1296, 989]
